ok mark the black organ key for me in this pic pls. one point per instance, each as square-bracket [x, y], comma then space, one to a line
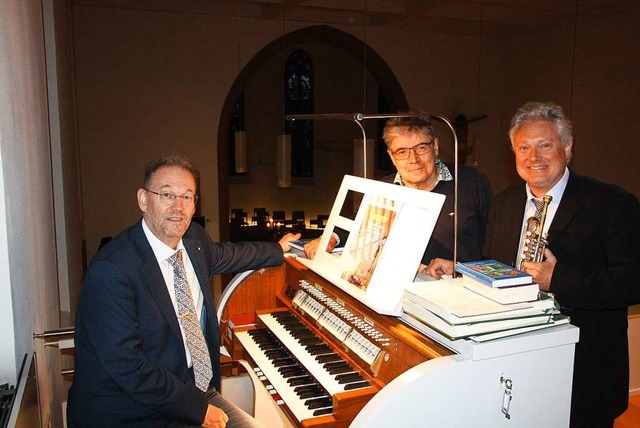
[277, 354]
[319, 349]
[328, 358]
[306, 388]
[357, 385]
[301, 380]
[318, 403]
[291, 371]
[281, 362]
[312, 394]
[306, 337]
[334, 364]
[342, 369]
[310, 391]
[348, 378]
[321, 412]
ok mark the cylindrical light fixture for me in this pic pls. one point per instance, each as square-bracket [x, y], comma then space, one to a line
[363, 157]
[283, 160]
[241, 151]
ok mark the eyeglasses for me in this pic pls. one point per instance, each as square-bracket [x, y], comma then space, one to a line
[168, 197]
[419, 149]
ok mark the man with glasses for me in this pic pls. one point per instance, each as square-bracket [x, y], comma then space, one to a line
[413, 147]
[147, 339]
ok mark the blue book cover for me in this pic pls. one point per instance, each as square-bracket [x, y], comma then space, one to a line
[494, 273]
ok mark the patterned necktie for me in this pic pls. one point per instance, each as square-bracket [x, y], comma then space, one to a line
[539, 205]
[189, 321]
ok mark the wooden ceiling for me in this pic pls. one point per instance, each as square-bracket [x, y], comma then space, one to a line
[489, 17]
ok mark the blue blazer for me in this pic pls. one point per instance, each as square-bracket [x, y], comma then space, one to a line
[130, 363]
[594, 235]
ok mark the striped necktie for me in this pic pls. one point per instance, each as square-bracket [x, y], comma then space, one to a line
[189, 321]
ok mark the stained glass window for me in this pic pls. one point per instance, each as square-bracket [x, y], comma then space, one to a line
[299, 100]
[236, 124]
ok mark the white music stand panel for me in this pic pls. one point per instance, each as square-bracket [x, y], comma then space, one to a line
[387, 239]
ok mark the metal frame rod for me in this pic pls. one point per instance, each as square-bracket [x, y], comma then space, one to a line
[54, 333]
[359, 117]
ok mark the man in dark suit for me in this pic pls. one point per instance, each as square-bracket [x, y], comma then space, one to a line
[592, 260]
[135, 365]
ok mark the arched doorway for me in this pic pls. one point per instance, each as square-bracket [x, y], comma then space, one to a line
[389, 98]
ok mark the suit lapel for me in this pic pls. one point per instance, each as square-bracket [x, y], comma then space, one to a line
[154, 281]
[194, 249]
[568, 208]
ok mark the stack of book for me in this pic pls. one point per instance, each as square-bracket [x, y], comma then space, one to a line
[457, 312]
[498, 281]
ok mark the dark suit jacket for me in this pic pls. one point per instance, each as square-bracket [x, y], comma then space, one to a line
[130, 364]
[594, 236]
[474, 201]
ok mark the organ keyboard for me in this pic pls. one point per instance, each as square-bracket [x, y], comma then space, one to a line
[304, 371]
[324, 359]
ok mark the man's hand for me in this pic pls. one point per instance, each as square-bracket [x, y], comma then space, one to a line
[439, 267]
[543, 271]
[284, 241]
[311, 247]
[215, 417]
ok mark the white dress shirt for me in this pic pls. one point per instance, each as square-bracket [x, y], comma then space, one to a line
[556, 193]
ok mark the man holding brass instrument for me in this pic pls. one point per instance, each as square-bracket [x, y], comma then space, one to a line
[591, 257]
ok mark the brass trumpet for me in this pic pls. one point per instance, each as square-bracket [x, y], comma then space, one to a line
[533, 240]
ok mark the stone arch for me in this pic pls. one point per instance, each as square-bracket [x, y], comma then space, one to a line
[375, 64]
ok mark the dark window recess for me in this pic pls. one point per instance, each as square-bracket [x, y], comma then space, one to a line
[236, 124]
[298, 98]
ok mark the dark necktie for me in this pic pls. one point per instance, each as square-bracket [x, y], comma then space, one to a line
[189, 321]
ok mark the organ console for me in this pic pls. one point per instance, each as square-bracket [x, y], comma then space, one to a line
[316, 357]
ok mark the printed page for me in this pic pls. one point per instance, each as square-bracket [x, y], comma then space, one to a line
[360, 259]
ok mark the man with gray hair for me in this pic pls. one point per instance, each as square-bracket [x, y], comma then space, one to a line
[591, 261]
